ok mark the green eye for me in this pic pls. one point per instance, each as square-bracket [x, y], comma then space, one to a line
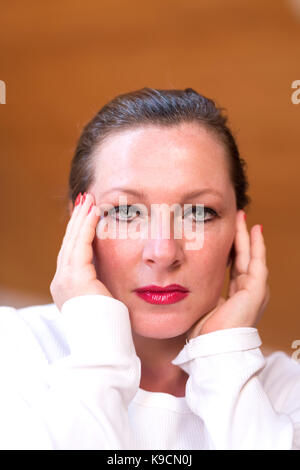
[125, 212]
[199, 213]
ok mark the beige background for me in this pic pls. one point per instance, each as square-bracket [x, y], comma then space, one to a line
[62, 60]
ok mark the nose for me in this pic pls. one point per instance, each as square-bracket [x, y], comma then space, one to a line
[162, 253]
[161, 250]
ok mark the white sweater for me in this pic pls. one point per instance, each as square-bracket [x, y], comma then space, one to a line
[70, 380]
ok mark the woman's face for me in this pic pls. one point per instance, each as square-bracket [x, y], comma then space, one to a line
[165, 164]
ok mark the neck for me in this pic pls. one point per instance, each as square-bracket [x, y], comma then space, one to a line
[158, 374]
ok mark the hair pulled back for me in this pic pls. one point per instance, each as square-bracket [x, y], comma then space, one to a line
[149, 106]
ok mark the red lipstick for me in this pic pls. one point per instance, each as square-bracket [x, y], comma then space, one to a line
[162, 295]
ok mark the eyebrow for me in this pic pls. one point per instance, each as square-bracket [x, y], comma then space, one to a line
[143, 195]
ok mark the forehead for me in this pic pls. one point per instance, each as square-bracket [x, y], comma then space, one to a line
[185, 156]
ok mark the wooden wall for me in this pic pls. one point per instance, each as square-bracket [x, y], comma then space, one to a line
[62, 60]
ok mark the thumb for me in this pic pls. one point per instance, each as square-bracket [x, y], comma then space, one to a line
[196, 327]
[221, 301]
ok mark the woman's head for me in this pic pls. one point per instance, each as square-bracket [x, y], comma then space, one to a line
[164, 144]
[163, 108]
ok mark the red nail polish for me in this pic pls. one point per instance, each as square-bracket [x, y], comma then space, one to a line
[90, 208]
[83, 198]
[77, 200]
[245, 215]
[261, 228]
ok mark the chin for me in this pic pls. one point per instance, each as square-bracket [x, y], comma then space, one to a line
[158, 328]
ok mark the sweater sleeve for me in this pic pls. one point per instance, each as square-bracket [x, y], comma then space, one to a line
[225, 391]
[84, 404]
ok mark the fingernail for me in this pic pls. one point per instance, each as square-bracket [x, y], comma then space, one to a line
[90, 208]
[261, 228]
[77, 200]
[83, 198]
[245, 215]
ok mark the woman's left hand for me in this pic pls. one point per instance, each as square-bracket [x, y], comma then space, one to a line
[248, 292]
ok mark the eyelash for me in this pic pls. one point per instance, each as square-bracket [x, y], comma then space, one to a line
[208, 209]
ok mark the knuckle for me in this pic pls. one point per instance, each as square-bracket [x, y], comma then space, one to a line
[58, 280]
[60, 285]
[53, 287]
[264, 268]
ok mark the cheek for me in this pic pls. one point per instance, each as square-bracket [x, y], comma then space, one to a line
[211, 261]
[112, 259]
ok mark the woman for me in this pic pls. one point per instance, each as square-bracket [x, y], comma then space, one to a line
[154, 357]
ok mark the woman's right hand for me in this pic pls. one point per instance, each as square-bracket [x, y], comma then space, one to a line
[75, 273]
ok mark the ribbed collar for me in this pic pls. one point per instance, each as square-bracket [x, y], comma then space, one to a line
[161, 400]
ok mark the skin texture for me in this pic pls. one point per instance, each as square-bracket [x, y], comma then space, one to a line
[166, 163]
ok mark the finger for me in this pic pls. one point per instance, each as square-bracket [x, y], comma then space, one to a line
[241, 246]
[75, 229]
[83, 251]
[75, 211]
[257, 266]
[69, 228]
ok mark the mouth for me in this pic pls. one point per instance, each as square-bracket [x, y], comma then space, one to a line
[162, 295]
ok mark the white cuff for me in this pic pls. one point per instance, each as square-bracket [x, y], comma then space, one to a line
[97, 328]
[219, 342]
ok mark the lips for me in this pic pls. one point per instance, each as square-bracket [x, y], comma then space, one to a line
[169, 288]
[162, 295]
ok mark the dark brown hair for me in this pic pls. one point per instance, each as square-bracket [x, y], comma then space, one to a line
[150, 106]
